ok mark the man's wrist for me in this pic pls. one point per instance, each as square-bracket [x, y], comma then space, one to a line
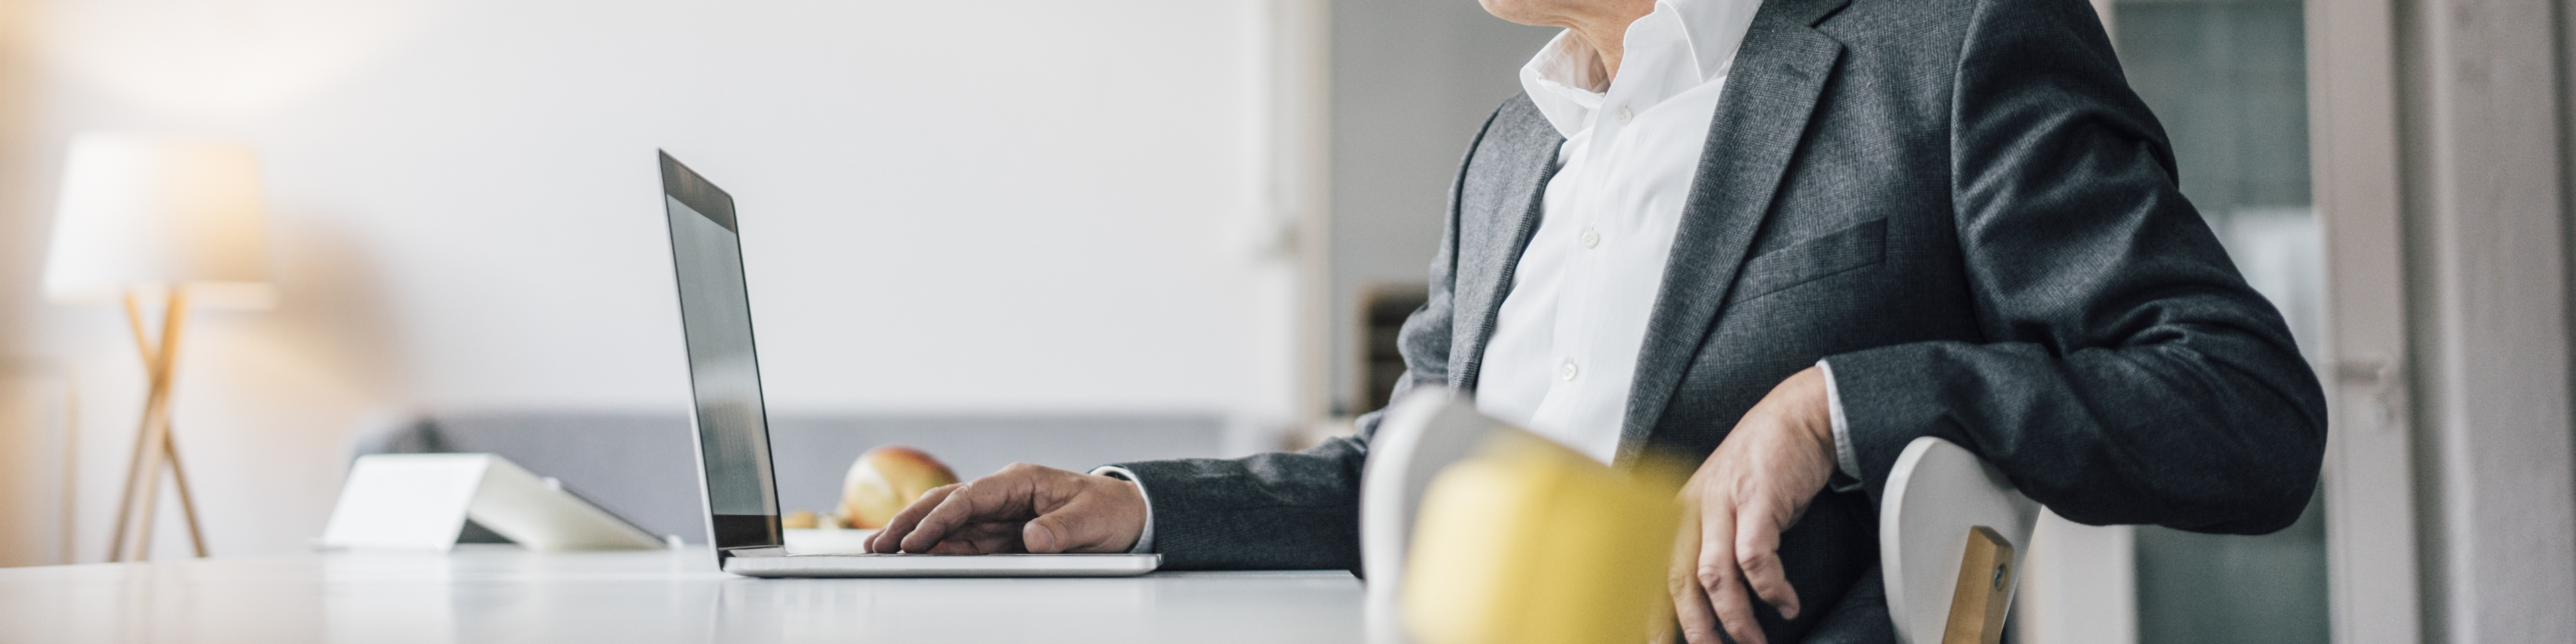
[1820, 413]
[1144, 535]
[1846, 460]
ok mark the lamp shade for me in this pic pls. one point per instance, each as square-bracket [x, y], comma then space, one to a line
[143, 212]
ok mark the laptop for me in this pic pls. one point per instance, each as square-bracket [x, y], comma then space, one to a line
[732, 423]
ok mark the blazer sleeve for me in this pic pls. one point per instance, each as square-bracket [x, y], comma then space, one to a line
[1297, 510]
[2129, 374]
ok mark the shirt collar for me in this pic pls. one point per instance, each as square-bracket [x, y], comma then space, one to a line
[1562, 79]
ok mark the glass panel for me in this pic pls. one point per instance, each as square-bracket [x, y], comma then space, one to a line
[2228, 80]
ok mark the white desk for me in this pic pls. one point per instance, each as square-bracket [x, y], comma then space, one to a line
[504, 594]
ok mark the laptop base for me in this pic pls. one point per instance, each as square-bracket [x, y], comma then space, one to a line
[913, 565]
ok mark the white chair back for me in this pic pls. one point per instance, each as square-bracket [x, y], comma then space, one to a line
[1424, 432]
[1936, 493]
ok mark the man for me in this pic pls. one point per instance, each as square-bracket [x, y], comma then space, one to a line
[1791, 236]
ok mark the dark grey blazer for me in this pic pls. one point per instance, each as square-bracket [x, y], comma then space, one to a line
[1962, 206]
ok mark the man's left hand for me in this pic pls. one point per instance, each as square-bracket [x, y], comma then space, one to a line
[1022, 508]
[1753, 487]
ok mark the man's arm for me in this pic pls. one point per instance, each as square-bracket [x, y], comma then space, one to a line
[2129, 375]
[1298, 510]
[1268, 511]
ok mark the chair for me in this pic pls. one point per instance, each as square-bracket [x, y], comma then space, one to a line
[1939, 498]
[1936, 495]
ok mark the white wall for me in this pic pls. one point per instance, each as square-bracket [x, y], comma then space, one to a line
[1013, 205]
[1412, 80]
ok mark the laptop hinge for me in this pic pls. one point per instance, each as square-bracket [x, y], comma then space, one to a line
[757, 551]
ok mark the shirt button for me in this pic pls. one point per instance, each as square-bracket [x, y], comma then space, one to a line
[1566, 372]
[1591, 238]
[1624, 116]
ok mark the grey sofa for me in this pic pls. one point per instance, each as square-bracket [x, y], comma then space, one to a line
[641, 467]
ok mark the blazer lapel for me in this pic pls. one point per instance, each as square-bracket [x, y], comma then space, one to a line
[1497, 212]
[1768, 99]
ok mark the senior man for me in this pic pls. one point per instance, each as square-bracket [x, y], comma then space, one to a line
[1791, 236]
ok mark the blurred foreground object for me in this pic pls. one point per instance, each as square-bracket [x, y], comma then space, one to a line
[421, 502]
[1951, 534]
[1527, 541]
[175, 220]
[886, 479]
[1421, 434]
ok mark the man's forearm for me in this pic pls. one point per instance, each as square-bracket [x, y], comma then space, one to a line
[1267, 511]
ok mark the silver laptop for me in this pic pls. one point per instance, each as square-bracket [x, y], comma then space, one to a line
[732, 424]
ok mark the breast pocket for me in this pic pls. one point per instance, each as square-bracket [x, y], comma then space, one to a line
[1860, 246]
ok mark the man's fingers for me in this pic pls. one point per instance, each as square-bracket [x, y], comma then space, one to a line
[1734, 608]
[955, 510]
[1716, 565]
[1757, 556]
[1048, 534]
[890, 539]
[1690, 608]
[1064, 528]
[980, 538]
[961, 547]
[1718, 576]
[1091, 521]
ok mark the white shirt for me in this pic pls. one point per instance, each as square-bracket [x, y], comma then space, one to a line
[1564, 349]
[1565, 344]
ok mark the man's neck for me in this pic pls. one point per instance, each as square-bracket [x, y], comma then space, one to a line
[1606, 31]
[1606, 51]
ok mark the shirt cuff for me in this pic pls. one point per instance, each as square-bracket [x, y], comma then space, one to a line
[1144, 541]
[1846, 461]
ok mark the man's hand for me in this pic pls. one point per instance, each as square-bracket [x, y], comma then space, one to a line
[1023, 508]
[1753, 487]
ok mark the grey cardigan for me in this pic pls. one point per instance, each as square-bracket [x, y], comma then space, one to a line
[1962, 206]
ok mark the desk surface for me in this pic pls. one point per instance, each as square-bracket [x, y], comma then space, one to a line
[504, 594]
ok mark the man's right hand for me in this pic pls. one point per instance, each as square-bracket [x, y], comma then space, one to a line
[1023, 508]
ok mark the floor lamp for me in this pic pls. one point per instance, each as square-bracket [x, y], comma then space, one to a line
[150, 220]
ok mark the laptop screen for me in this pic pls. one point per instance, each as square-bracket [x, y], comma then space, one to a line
[724, 373]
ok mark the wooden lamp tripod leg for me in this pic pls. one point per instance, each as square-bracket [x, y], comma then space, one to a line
[154, 442]
[187, 501]
[134, 471]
